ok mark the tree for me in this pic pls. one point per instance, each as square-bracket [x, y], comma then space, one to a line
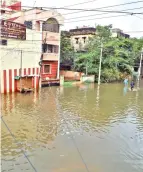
[67, 51]
[119, 55]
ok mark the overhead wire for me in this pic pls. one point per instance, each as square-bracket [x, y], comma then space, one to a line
[123, 4]
[89, 10]
[114, 16]
[138, 17]
[81, 3]
[98, 18]
[103, 13]
[117, 5]
[62, 7]
[124, 11]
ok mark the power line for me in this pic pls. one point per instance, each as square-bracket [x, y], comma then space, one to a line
[99, 18]
[124, 11]
[89, 10]
[130, 13]
[117, 5]
[103, 13]
[62, 7]
[80, 3]
[84, 10]
[139, 17]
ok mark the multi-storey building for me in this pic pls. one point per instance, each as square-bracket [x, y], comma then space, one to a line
[36, 42]
[80, 36]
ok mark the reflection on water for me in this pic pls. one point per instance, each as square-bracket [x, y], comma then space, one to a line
[106, 124]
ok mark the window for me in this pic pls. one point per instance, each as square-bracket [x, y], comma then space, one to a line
[51, 25]
[76, 40]
[47, 68]
[44, 48]
[28, 24]
[3, 42]
[84, 39]
[50, 48]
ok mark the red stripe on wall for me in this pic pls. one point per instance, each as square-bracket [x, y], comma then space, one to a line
[15, 81]
[37, 72]
[29, 71]
[5, 82]
[24, 71]
[10, 80]
[33, 71]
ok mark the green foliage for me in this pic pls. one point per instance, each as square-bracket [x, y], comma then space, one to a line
[119, 55]
[67, 51]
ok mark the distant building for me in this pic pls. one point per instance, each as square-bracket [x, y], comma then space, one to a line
[119, 33]
[80, 36]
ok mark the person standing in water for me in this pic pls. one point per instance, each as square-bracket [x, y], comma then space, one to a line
[126, 81]
[132, 85]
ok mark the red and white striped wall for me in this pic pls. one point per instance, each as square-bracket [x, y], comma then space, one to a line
[8, 84]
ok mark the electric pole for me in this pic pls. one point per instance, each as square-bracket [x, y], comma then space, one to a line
[101, 52]
[140, 68]
[20, 68]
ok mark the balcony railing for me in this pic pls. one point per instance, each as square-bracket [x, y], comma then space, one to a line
[51, 56]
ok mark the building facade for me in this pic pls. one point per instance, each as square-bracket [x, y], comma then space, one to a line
[80, 37]
[119, 33]
[37, 53]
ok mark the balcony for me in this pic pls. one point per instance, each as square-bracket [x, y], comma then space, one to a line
[51, 37]
[50, 56]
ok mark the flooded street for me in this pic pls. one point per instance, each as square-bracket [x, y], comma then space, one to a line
[74, 129]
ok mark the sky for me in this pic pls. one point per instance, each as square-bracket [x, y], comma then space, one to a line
[128, 23]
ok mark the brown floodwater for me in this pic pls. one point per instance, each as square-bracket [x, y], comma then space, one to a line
[74, 129]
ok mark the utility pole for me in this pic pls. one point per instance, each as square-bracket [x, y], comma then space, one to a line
[140, 68]
[99, 76]
[20, 68]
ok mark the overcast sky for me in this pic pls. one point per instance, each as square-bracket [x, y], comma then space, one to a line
[126, 23]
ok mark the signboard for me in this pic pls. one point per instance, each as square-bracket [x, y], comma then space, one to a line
[12, 30]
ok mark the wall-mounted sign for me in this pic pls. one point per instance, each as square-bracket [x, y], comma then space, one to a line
[12, 30]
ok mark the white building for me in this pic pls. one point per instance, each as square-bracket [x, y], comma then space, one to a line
[18, 52]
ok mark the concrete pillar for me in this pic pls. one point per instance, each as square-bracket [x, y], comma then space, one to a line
[59, 54]
[61, 80]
